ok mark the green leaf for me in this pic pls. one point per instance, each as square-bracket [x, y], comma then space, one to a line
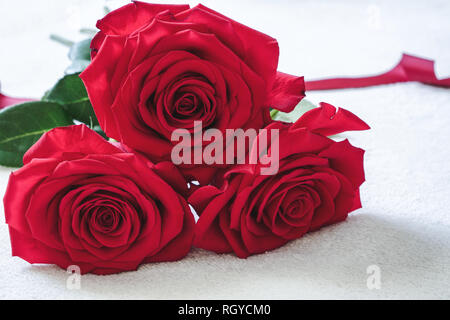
[61, 40]
[72, 95]
[77, 66]
[10, 159]
[23, 124]
[273, 113]
[292, 116]
[80, 50]
[89, 31]
[80, 55]
[100, 131]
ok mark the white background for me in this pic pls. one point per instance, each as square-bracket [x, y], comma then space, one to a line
[404, 225]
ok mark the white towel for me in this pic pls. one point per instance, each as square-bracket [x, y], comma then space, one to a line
[404, 225]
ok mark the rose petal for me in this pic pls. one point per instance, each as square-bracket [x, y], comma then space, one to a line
[21, 187]
[60, 143]
[97, 80]
[326, 121]
[261, 50]
[179, 246]
[346, 159]
[133, 16]
[287, 92]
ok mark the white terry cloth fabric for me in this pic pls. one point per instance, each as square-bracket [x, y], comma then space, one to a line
[404, 225]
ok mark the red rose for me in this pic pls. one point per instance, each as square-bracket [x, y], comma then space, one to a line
[317, 184]
[157, 68]
[79, 200]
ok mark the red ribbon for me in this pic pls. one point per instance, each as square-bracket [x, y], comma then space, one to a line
[6, 101]
[410, 68]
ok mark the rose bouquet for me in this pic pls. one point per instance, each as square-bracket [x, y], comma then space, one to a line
[169, 106]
